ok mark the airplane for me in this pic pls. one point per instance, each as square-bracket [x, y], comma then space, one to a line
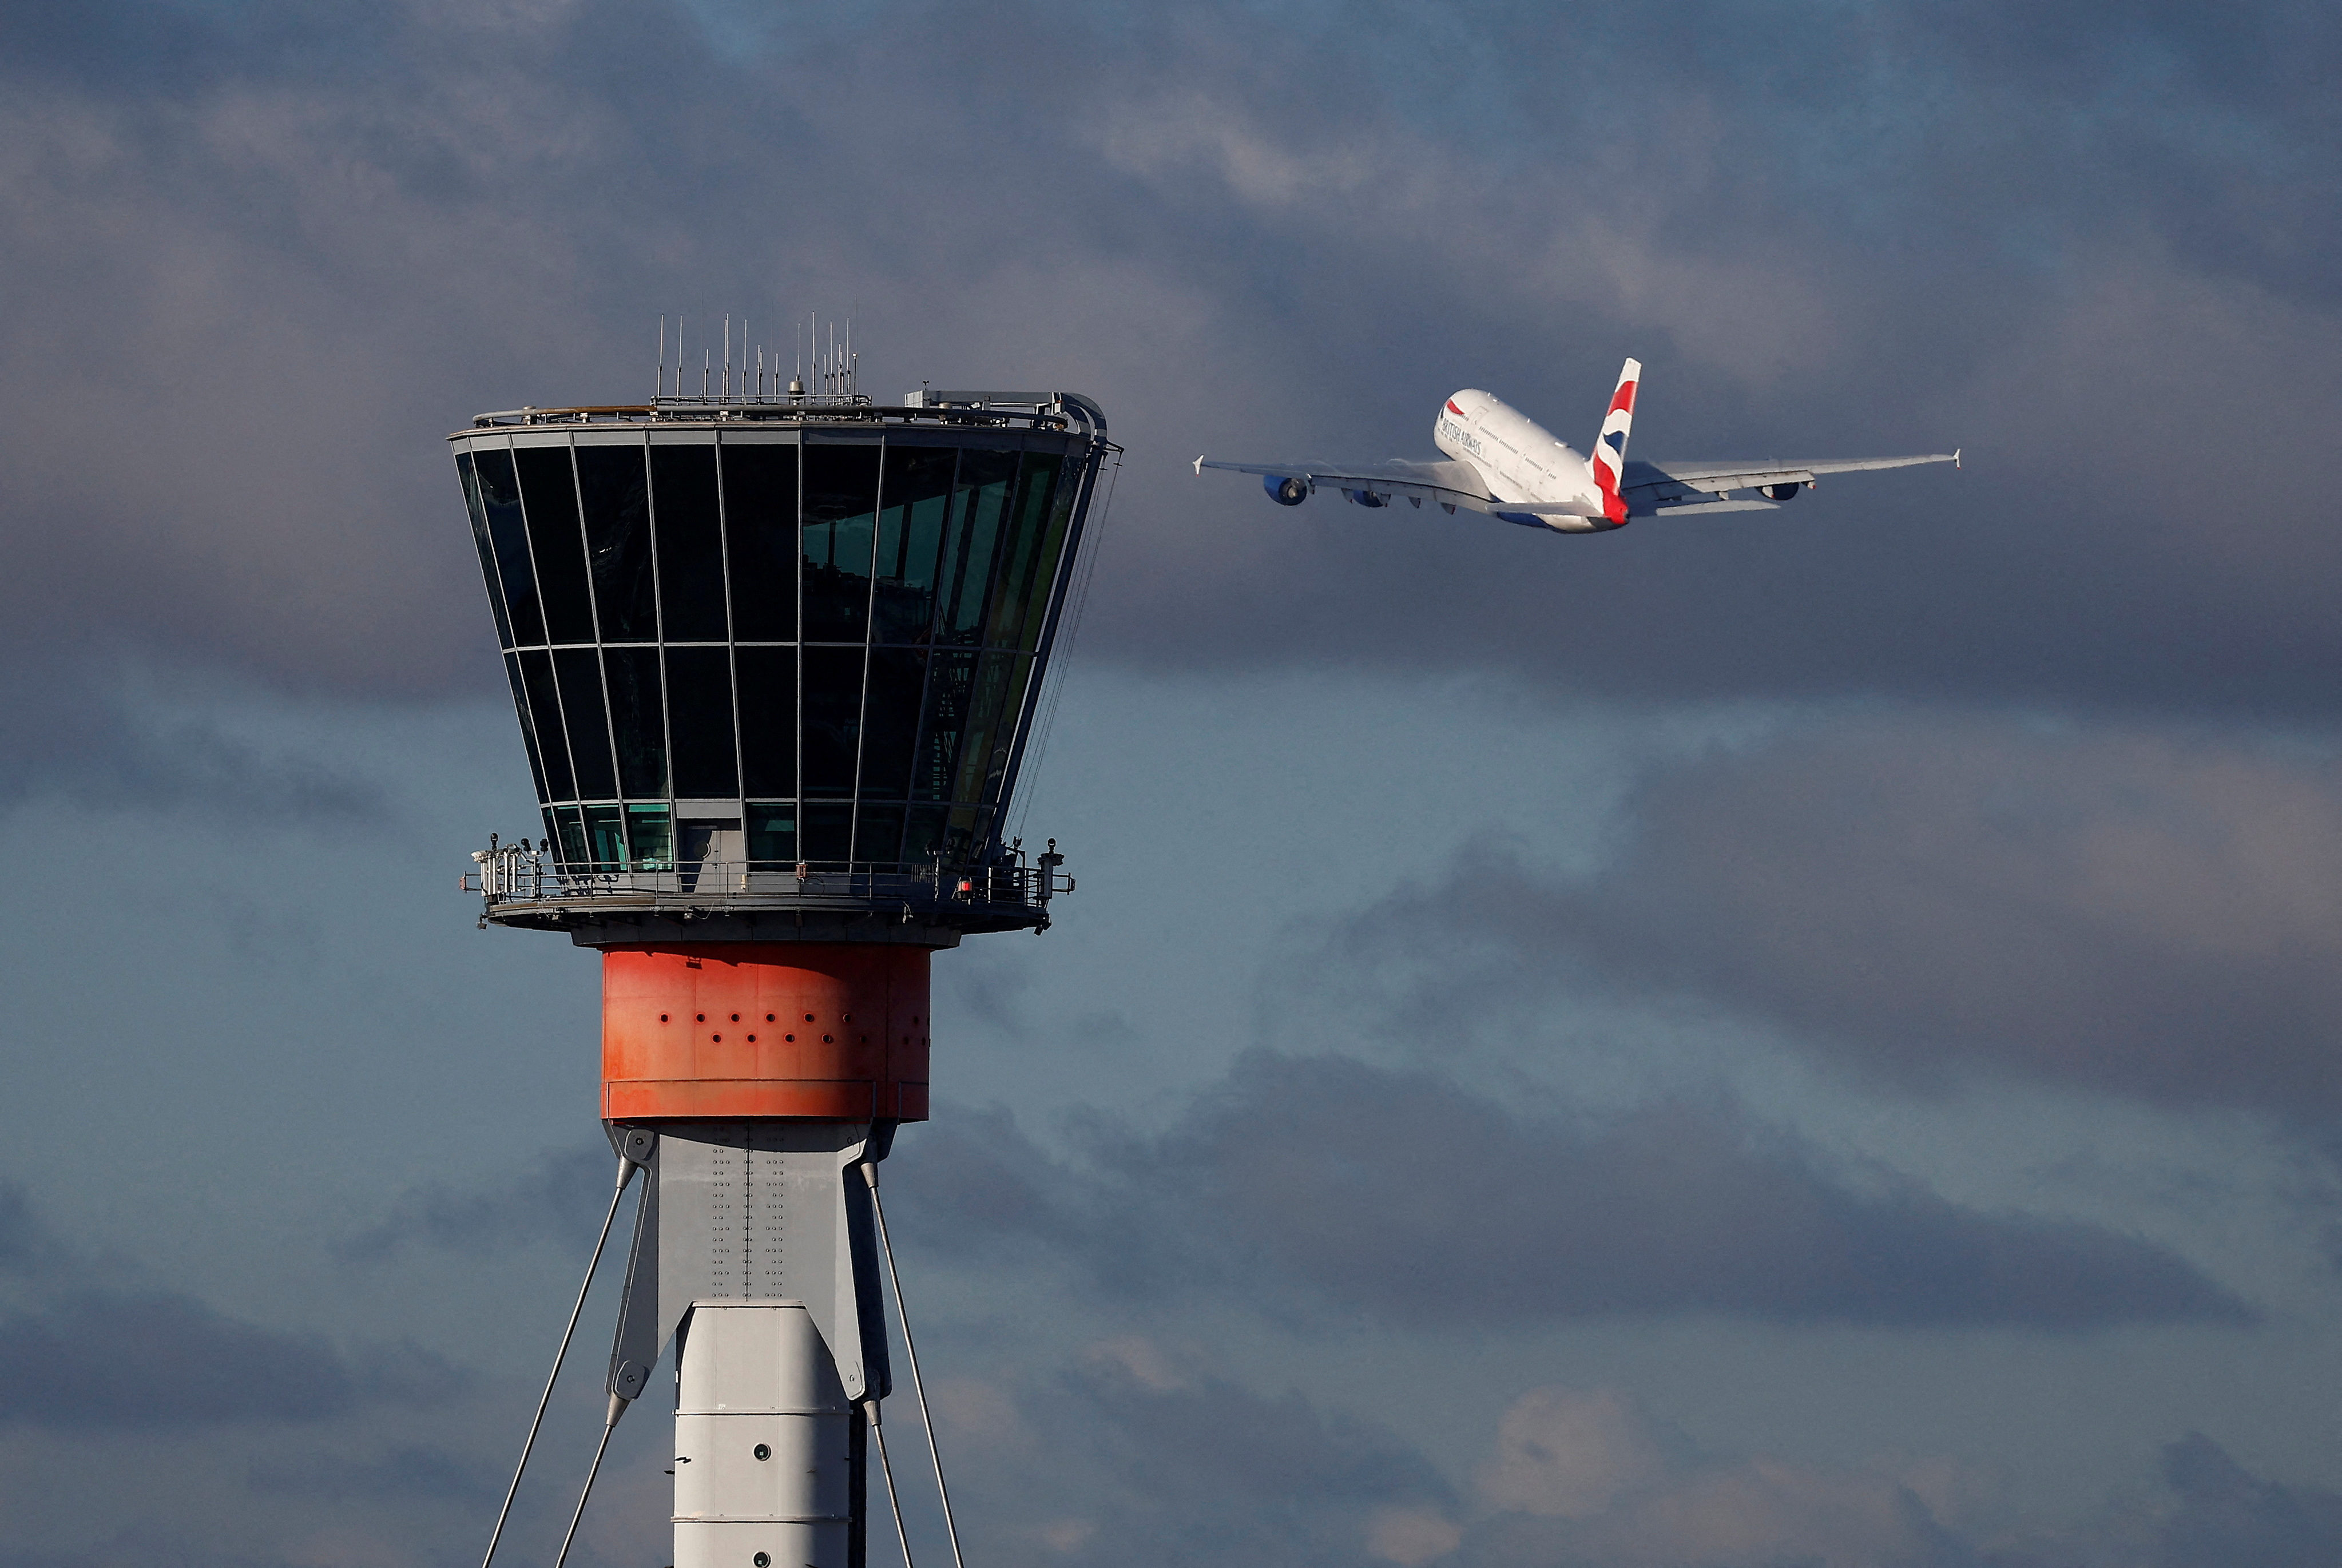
[1503, 463]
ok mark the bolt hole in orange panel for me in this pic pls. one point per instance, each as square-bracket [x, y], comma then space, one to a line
[655, 1068]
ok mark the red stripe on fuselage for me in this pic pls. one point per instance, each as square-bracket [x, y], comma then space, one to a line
[1455, 411]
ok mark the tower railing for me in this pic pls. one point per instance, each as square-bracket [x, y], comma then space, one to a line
[511, 878]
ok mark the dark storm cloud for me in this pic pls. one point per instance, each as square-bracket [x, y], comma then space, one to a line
[264, 260]
[1401, 1198]
[1918, 898]
[87, 1354]
[560, 1196]
[95, 1361]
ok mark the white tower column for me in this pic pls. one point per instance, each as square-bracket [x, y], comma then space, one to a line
[763, 1441]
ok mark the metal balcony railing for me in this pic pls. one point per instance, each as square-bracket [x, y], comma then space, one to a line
[510, 875]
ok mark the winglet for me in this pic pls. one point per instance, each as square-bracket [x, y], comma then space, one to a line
[1609, 457]
[1199, 466]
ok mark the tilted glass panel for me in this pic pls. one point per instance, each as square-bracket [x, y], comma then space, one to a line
[699, 717]
[760, 540]
[1013, 677]
[917, 493]
[527, 726]
[548, 489]
[614, 492]
[605, 836]
[500, 499]
[488, 551]
[573, 836]
[650, 836]
[544, 707]
[980, 506]
[1000, 677]
[690, 543]
[826, 831]
[579, 671]
[1020, 556]
[773, 833]
[923, 838]
[1053, 548]
[768, 720]
[833, 719]
[841, 499]
[878, 834]
[546, 813]
[637, 721]
[890, 723]
[951, 688]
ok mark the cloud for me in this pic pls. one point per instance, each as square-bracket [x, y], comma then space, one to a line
[267, 261]
[1921, 897]
[1401, 1198]
[561, 1194]
[92, 1355]
[116, 1361]
[1589, 1477]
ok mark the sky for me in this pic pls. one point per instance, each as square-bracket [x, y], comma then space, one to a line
[1789, 1038]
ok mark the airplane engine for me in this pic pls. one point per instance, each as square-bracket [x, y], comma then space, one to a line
[1364, 498]
[1283, 491]
[1779, 492]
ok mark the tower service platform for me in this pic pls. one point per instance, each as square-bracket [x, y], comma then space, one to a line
[777, 660]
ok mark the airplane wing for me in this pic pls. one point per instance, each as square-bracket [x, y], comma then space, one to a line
[1452, 482]
[1672, 489]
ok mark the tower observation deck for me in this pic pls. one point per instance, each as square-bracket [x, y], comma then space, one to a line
[776, 662]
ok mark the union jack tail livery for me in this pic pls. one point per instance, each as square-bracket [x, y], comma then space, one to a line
[1504, 465]
[1609, 457]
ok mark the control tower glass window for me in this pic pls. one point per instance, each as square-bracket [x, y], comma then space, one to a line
[784, 644]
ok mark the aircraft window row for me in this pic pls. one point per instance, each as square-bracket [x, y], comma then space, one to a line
[893, 544]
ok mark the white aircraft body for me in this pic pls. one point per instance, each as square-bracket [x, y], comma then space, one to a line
[1503, 463]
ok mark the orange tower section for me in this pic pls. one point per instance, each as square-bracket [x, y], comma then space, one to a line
[734, 1030]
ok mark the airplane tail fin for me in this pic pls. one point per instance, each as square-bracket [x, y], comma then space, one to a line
[1609, 457]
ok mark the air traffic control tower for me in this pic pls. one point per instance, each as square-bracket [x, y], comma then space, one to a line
[777, 659]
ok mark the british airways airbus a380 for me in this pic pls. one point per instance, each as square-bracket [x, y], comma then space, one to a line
[1503, 463]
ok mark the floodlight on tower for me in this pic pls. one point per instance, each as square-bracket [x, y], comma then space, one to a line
[778, 658]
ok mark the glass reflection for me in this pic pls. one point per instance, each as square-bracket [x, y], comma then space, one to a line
[768, 720]
[606, 837]
[760, 540]
[614, 494]
[699, 708]
[637, 721]
[917, 490]
[833, 719]
[690, 543]
[985, 478]
[650, 835]
[544, 707]
[1021, 558]
[773, 833]
[841, 498]
[578, 672]
[890, 721]
[878, 834]
[500, 499]
[527, 726]
[951, 687]
[548, 489]
[827, 832]
[488, 551]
